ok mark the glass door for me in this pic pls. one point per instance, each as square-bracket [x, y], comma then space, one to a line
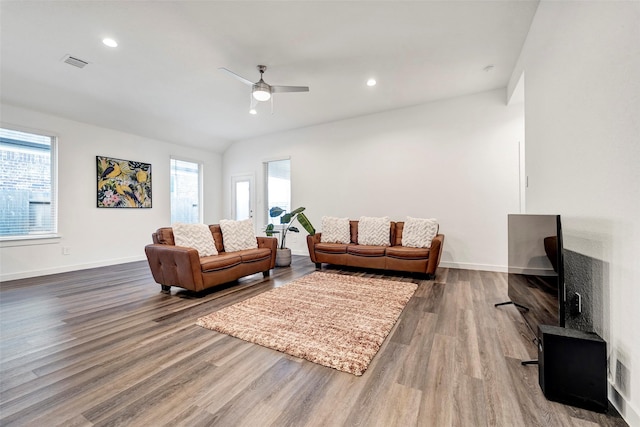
[242, 197]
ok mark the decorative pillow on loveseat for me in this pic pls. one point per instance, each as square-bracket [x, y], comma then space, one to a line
[419, 232]
[374, 231]
[335, 230]
[196, 236]
[238, 235]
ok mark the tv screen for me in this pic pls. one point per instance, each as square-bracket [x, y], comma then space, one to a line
[535, 270]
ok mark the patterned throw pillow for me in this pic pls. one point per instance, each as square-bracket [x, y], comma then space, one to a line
[335, 230]
[196, 236]
[419, 232]
[374, 231]
[238, 235]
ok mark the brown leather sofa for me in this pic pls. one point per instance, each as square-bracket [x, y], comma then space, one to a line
[180, 266]
[394, 258]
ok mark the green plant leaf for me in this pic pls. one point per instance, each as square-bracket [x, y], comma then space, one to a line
[306, 224]
[297, 211]
[294, 229]
[285, 219]
[269, 230]
[275, 212]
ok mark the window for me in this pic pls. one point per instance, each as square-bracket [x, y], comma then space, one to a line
[27, 184]
[185, 191]
[278, 187]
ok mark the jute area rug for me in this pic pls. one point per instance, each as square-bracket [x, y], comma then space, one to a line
[334, 320]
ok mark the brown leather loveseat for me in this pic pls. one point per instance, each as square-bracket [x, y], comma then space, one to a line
[394, 258]
[181, 266]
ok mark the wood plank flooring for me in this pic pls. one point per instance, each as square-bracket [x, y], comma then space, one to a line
[104, 347]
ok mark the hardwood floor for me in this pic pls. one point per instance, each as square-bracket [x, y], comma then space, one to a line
[104, 347]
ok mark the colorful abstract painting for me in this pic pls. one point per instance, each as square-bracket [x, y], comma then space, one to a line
[123, 183]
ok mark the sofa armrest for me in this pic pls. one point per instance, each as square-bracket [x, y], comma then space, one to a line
[175, 266]
[312, 240]
[434, 254]
[269, 243]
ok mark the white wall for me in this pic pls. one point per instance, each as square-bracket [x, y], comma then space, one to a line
[581, 63]
[455, 160]
[98, 237]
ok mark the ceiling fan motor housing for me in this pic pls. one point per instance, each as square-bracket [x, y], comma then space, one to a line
[261, 91]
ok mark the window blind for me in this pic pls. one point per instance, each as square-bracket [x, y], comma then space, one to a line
[27, 184]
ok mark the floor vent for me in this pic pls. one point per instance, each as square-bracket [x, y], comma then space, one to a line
[68, 59]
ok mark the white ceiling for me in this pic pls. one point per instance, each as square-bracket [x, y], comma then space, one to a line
[163, 82]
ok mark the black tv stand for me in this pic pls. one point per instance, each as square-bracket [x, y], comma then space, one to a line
[511, 302]
[529, 362]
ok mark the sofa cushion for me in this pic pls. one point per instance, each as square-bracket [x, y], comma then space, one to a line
[238, 235]
[366, 250]
[407, 253]
[419, 232]
[196, 236]
[219, 262]
[331, 248]
[335, 230]
[251, 255]
[374, 231]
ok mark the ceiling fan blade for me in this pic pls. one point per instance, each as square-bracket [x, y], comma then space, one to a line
[242, 79]
[278, 89]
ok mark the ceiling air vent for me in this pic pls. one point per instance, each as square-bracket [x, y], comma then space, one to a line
[68, 59]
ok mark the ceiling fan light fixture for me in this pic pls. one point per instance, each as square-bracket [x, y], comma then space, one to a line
[253, 111]
[261, 95]
[261, 91]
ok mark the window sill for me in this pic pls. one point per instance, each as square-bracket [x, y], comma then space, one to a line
[42, 239]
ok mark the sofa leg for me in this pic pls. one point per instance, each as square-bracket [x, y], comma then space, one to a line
[430, 276]
[318, 266]
[166, 289]
[266, 273]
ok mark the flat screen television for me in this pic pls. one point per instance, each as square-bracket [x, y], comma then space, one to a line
[535, 270]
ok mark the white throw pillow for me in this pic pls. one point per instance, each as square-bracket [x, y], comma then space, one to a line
[419, 232]
[196, 236]
[335, 230]
[374, 231]
[238, 235]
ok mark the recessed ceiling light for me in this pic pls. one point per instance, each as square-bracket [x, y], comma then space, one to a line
[371, 82]
[110, 42]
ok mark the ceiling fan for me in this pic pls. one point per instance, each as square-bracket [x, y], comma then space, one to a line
[262, 91]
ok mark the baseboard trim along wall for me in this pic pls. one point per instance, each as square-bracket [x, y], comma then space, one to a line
[623, 405]
[67, 268]
[473, 266]
[105, 263]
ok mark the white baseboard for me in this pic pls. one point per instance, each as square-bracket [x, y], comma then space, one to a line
[104, 263]
[67, 268]
[623, 406]
[473, 266]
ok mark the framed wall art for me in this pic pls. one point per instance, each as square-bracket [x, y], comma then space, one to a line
[123, 183]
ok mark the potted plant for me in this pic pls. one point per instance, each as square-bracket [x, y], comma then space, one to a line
[283, 256]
